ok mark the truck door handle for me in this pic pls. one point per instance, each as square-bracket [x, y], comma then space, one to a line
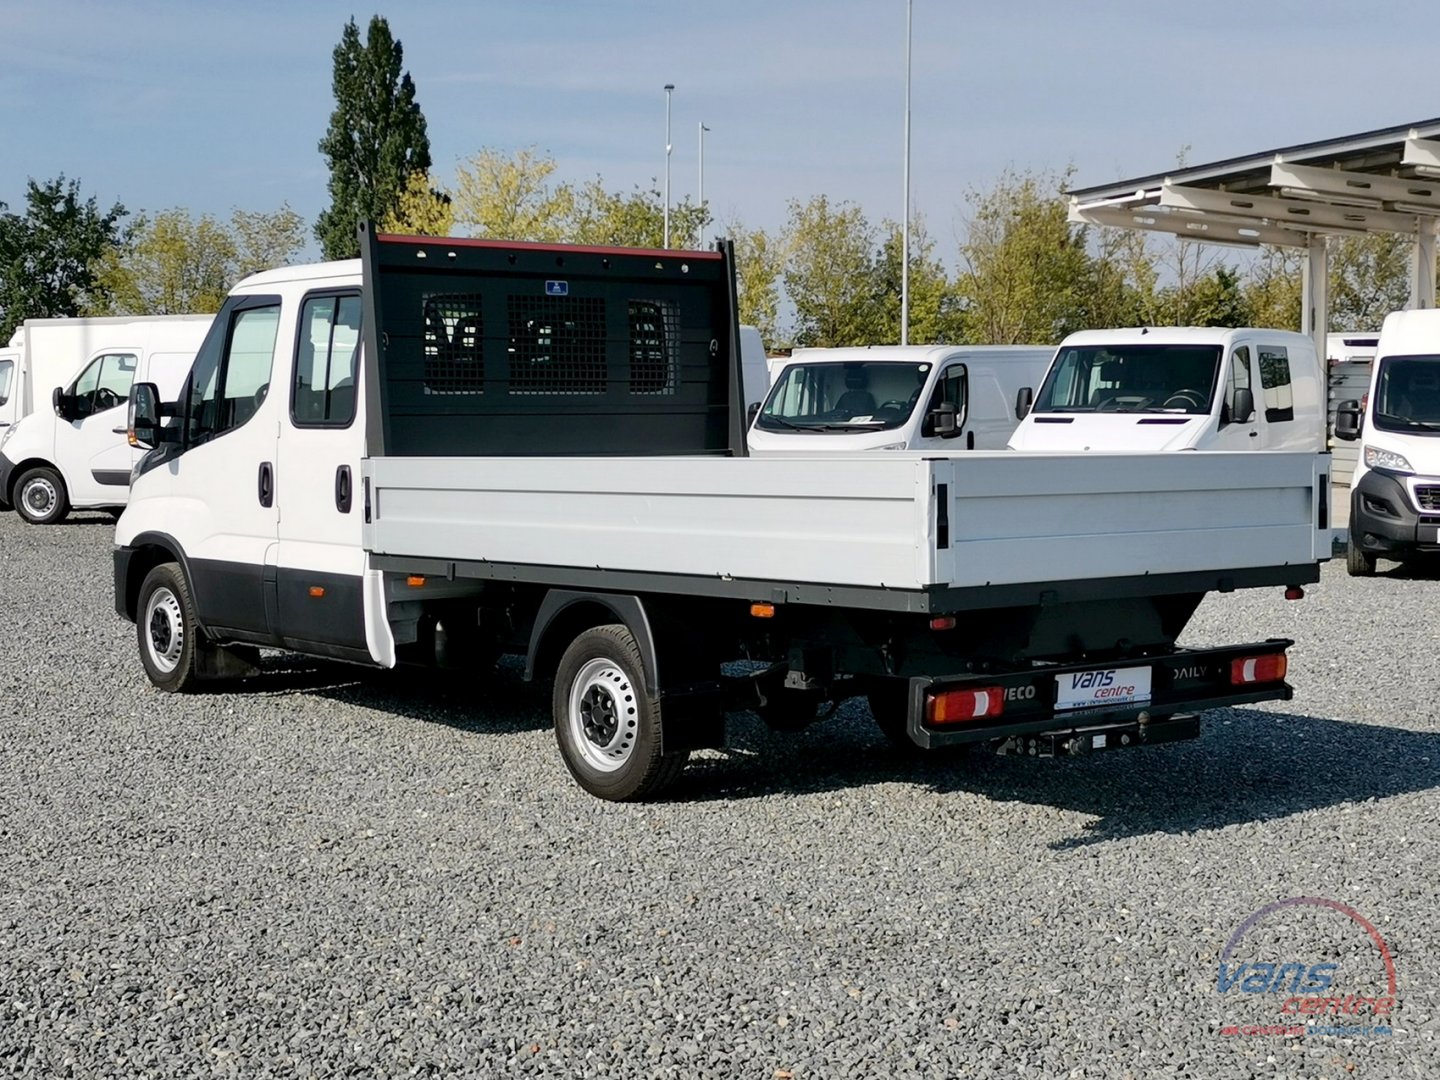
[342, 489]
[1254, 434]
[118, 430]
[267, 484]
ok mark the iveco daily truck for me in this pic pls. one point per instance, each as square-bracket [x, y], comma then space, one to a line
[500, 447]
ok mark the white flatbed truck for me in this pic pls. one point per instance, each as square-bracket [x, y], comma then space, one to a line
[455, 448]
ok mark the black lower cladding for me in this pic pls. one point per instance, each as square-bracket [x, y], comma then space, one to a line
[1383, 521]
[230, 597]
[318, 608]
[308, 610]
[111, 477]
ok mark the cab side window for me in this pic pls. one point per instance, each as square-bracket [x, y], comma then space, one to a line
[1239, 379]
[323, 391]
[228, 386]
[1275, 383]
[7, 371]
[103, 385]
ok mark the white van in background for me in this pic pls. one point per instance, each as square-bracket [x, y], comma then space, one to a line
[1395, 493]
[1178, 388]
[896, 397]
[754, 369]
[68, 447]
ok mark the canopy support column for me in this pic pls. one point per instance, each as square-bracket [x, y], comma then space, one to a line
[1422, 266]
[1314, 294]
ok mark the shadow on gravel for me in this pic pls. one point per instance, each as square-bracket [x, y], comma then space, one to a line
[1248, 765]
[498, 702]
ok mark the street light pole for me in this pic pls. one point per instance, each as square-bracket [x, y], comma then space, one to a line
[700, 192]
[669, 88]
[905, 227]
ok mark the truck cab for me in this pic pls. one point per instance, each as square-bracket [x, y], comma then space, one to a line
[1395, 491]
[1178, 388]
[904, 397]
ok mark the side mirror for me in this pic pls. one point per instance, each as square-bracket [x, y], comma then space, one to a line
[1347, 420]
[942, 420]
[1244, 410]
[752, 412]
[143, 425]
[61, 403]
[1024, 399]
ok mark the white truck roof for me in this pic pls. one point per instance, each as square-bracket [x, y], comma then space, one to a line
[1173, 335]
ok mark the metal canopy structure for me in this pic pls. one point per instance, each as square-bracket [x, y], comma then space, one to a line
[1384, 181]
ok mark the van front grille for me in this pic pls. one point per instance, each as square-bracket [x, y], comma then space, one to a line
[1427, 496]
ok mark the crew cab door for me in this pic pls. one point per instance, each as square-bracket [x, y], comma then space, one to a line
[1237, 432]
[216, 496]
[321, 562]
[90, 445]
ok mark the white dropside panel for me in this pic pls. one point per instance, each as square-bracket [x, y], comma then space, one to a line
[1024, 517]
[837, 519]
[867, 520]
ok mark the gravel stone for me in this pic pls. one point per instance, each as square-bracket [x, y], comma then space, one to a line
[341, 872]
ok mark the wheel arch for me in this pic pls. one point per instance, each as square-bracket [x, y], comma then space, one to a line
[565, 614]
[20, 468]
[147, 551]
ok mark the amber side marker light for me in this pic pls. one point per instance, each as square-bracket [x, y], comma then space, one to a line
[415, 581]
[1258, 669]
[317, 591]
[762, 610]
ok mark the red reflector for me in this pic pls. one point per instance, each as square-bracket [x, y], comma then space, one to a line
[943, 622]
[958, 706]
[1258, 669]
[1294, 592]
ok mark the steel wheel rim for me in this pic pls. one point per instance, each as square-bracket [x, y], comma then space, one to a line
[164, 630]
[603, 715]
[38, 497]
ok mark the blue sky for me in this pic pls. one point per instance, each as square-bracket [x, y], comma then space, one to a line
[212, 106]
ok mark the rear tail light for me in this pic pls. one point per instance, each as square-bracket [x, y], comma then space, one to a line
[959, 706]
[1258, 669]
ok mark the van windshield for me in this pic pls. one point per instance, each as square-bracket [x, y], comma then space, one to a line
[855, 396]
[1407, 394]
[1131, 378]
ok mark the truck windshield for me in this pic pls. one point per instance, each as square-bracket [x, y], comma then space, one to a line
[1131, 378]
[1407, 394]
[854, 396]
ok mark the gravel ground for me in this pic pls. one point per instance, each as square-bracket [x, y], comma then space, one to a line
[343, 873]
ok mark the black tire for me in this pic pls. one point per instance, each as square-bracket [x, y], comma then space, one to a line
[1357, 563]
[608, 728]
[789, 711]
[40, 496]
[166, 630]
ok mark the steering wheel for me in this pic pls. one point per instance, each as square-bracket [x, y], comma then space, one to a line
[893, 404]
[1181, 398]
[1137, 401]
[105, 398]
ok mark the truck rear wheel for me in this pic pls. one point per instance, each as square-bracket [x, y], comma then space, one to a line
[170, 639]
[608, 728]
[40, 496]
[1357, 563]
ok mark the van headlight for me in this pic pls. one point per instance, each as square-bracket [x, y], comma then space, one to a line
[1375, 458]
[890, 446]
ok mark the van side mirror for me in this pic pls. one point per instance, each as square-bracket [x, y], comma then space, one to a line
[943, 421]
[61, 401]
[1024, 399]
[752, 412]
[1244, 410]
[143, 425]
[1347, 420]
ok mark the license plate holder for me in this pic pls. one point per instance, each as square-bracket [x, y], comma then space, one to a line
[1101, 688]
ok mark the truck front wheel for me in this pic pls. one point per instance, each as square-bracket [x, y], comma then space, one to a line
[609, 729]
[40, 496]
[170, 639]
[1357, 563]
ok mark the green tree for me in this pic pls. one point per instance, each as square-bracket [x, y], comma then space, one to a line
[512, 197]
[1369, 278]
[830, 274]
[1120, 280]
[175, 264]
[421, 210]
[636, 219]
[376, 140]
[47, 254]
[935, 316]
[1025, 265]
[1272, 288]
[759, 258]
